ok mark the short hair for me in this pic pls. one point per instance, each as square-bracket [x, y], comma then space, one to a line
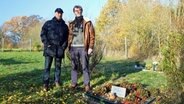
[78, 6]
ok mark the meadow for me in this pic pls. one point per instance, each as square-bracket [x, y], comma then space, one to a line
[21, 78]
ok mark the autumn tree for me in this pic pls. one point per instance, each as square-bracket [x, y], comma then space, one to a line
[1, 36]
[104, 24]
[152, 29]
[34, 35]
[17, 28]
[1, 33]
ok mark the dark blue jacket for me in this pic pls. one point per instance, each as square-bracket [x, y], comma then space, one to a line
[54, 35]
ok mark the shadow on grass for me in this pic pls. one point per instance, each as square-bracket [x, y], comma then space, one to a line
[24, 81]
[21, 86]
[11, 61]
[21, 82]
[113, 70]
[28, 83]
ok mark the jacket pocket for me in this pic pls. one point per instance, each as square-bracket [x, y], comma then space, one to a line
[50, 51]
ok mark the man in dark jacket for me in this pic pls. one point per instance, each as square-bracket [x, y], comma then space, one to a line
[81, 43]
[54, 36]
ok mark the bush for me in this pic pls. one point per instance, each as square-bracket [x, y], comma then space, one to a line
[37, 47]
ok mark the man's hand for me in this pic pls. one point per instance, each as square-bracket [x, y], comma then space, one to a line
[90, 51]
[49, 46]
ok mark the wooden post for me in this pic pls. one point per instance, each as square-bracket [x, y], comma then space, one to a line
[126, 48]
[30, 42]
[2, 44]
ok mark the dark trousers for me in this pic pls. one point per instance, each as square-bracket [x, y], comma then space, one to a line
[48, 63]
[81, 55]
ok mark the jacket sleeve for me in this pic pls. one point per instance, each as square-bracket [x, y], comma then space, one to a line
[70, 35]
[92, 36]
[43, 34]
[65, 44]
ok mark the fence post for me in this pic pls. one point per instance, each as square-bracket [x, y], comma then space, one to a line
[2, 49]
[126, 48]
[30, 42]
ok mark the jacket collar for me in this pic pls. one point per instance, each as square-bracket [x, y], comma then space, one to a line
[56, 20]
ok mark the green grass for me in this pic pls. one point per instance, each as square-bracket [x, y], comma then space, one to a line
[21, 78]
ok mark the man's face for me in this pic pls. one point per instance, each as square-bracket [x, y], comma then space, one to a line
[77, 12]
[58, 15]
